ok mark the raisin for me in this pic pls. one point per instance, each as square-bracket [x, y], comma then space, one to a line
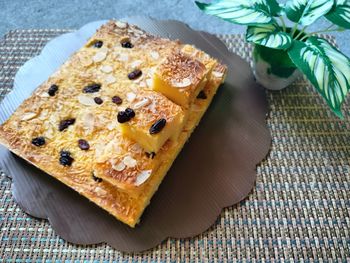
[65, 123]
[83, 144]
[157, 126]
[52, 90]
[127, 44]
[117, 100]
[98, 100]
[134, 74]
[38, 141]
[92, 88]
[130, 112]
[122, 117]
[98, 44]
[150, 154]
[97, 179]
[202, 95]
[127, 115]
[65, 158]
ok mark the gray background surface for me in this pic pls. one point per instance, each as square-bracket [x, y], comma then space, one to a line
[18, 14]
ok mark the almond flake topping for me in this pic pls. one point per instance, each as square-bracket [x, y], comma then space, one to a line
[44, 95]
[151, 71]
[88, 121]
[130, 96]
[28, 116]
[119, 167]
[99, 56]
[110, 79]
[142, 177]
[142, 103]
[217, 74]
[86, 100]
[138, 32]
[135, 64]
[129, 161]
[149, 83]
[111, 126]
[106, 69]
[120, 24]
[100, 191]
[182, 84]
[154, 54]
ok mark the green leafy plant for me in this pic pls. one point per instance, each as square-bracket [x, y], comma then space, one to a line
[324, 65]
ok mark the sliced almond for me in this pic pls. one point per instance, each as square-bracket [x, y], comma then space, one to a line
[149, 83]
[182, 84]
[129, 161]
[99, 56]
[120, 24]
[138, 32]
[142, 103]
[111, 126]
[119, 167]
[100, 191]
[106, 69]
[28, 116]
[49, 133]
[113, 147]
[86, 100]
[142, 177]
[88, 121]
[151, 71]
[135, 64]
[154, 54]
[44, 95]
[217, 74]
[43, 115]
[110, 79]
[130, 96]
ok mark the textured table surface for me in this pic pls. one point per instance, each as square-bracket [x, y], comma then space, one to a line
[75, 13]
[299, 208]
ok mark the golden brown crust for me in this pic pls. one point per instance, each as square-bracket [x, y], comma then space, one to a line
[182, 71]
[108, 66]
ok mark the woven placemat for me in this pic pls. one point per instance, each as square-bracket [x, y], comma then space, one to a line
[299, 209]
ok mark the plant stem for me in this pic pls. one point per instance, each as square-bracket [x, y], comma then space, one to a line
[294, 29]
[283, 24]
[301, 32]
[304, 37]
[328, 29]
[325, 30]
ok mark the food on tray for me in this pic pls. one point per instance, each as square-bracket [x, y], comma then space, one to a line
[111, 121]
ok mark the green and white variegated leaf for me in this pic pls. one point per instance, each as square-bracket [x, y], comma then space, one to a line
[326, 68]
[269, 36]
[305, 12]
[340, 13]
[243, 12]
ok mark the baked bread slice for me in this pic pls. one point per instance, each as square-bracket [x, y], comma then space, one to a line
[107, 122]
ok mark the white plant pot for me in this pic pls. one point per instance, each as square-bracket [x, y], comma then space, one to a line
[273, 69]
[269, 80]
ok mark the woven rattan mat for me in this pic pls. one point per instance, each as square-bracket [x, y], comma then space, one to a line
[299, 209]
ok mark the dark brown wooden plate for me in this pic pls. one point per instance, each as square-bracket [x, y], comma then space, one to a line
[215, 169]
